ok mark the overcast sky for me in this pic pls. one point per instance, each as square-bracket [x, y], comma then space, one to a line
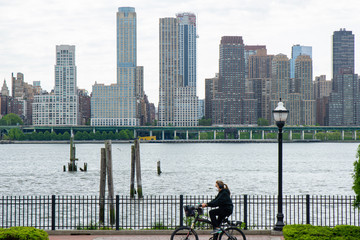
[30, 30]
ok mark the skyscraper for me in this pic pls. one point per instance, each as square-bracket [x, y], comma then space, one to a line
[211, 88]
[250, 50]
[280, 78]
[227, 104]
[260, 79]
[303, 76]
[169, 72]
[296, 51]
[61, 108]
[5, 89]
[178, 103]
[117, 104]
[344, 103]
[187, 48]
[343, 52]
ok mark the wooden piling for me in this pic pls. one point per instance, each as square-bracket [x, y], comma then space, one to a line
[72, 164]
[158, 168]
[110, 180]
[102, 186]
[138, 168]
[132, 173]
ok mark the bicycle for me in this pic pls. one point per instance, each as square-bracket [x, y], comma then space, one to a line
[229, 230]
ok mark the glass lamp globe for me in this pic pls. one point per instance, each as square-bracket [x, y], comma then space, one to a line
[280, 113]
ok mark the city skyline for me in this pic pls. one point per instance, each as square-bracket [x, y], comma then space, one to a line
[33, 28]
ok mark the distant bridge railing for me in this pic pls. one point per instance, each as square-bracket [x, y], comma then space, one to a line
[166, 212]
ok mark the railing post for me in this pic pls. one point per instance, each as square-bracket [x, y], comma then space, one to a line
[307, 209]
[53, 212]
[181, 210]
[117, 216]
[246, 211]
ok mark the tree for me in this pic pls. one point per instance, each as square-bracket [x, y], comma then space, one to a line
[205, 122]
[16, 134]
[91, 136]
[356, 177]
[78, 136]
[40, 136]
[262, 122]
[11, 119]
[111, 135]
[130, 134]
[104, 135]
[53, 136]
[97, 135]
[123, 135]
[66, 136]
[85, 135]
[47, 135]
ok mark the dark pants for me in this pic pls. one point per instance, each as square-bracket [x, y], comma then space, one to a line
[217, 215]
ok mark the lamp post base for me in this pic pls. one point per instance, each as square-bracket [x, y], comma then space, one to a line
[280, 222]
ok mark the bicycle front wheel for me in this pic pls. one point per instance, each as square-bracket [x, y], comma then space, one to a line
[184, 233]
[232, 233]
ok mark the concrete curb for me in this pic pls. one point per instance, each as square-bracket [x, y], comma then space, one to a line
[150, 232]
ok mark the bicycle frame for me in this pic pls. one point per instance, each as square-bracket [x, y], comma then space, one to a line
[224, 228]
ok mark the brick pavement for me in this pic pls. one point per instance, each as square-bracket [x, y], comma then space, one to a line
[148, 237]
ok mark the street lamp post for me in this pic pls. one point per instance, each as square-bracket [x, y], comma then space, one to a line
[280, 115]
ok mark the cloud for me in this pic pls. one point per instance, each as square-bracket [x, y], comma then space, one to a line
[31, 29]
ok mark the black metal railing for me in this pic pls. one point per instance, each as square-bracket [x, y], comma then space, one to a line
[166, 212]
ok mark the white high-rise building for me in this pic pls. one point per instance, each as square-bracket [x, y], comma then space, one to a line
[62, 107]
[117, 104]
[178, 103]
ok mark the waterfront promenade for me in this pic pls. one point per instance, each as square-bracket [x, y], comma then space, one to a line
[151, 235]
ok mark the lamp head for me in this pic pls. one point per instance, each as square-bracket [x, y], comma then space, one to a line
[280, 114]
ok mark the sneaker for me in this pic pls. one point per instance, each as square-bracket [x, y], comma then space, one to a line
[215, 231]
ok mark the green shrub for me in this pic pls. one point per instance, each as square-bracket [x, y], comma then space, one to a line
[22, 233]
[306, 232]
[309, 232]
[347, 232]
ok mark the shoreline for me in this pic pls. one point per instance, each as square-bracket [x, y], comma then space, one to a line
[178, 141]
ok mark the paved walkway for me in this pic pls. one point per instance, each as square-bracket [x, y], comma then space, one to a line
[148, 237]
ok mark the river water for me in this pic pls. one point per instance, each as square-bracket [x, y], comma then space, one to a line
[187, 168]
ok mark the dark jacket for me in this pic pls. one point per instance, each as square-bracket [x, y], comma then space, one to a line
[222, 200]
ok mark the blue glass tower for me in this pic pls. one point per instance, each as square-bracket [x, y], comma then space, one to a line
[187, 48]
[296, 51]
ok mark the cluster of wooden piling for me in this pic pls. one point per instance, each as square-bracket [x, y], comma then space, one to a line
[106, 173]
[106, 170]
[135, 168]
[72, 167]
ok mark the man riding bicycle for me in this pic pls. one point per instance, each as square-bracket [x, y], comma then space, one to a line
[224, 204]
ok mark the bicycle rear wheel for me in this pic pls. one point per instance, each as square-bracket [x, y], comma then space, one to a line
[232, 233]
[184, 233]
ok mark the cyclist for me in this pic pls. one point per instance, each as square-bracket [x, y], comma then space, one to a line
[224, 204]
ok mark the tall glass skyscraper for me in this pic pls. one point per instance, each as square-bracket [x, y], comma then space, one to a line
[296, 51]
[117, 104]
[178, 103]
[187, 48]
